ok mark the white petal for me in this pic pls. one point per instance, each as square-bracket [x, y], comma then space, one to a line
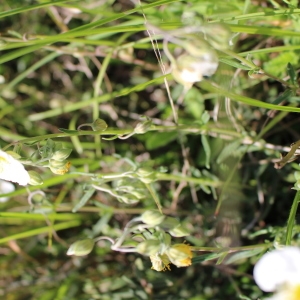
[5, 187]
[12, 170]
[277, 268]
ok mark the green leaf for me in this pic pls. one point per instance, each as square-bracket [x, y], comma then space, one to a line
[277, 65]
[205, 257]
[284, 96]
[292, 73]
[194, 103]
[243, 255]
[206, 149]
[228, 150]
[84, 199]
[234, 64]
[212, 87]
[160, 139]
[221, 258]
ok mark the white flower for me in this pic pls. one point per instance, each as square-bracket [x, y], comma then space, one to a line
[12, 170]
[279, 271]
[190, 69]
[5, 188]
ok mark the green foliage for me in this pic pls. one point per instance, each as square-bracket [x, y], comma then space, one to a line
[106, 105]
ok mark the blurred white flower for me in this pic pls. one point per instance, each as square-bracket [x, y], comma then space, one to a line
[5, 188]
[189, 69]
[279, 271]
[12, 170]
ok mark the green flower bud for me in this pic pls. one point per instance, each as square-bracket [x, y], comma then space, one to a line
[81, 248]
[297, 175]
[58, 146]
[56, 163]
[59, 167]
[98, 125]
[138, 195]
[61, 154]
[196, 46]
[143, 127]
[179, 231]
[152, 217]
[169, 223]
[148, 247]
[128, 200]
[35, 178]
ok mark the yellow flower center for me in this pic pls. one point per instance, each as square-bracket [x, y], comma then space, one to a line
[295, 293]
[288, 292]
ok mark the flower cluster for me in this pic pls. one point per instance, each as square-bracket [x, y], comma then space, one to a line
[156, 243]
[11, 168]
[279, 271]
[56, 156]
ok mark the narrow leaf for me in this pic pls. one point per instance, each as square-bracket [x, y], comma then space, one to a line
[85, 198]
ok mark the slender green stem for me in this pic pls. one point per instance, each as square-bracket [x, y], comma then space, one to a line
[115, 131]
[251, 16]
[231, 249]
[213, 87]
[41, 230]
[154, 195]
[291, 219]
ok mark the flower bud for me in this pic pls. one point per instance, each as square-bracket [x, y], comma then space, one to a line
[148, 247]
[169, 223]
[143, 127]
[61, 154]
[59, 167]
[179, 231]
[99, 125]
[130, 199]
[180, 255]
[152, 217]
[81, 248]
[196, 46]
[35, 178]
[297, 175]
